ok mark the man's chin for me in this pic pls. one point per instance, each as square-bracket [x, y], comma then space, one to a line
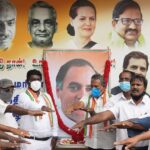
[42, 44]
[4, 46]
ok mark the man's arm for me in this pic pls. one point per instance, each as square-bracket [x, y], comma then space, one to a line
[8, 145]
[128, 124]
[130, 142]
[98, 118]
[137, 123]
[19, 132]
[21, 111]
[12, 139]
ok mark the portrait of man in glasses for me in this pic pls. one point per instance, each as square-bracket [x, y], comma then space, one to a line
[42, 25]
[126, 23]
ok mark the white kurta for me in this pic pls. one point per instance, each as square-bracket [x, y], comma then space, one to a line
[37, 126]
[99, 139]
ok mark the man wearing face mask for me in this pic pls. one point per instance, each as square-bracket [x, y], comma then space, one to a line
[92, 104]
[134, 108]
[6, 110]
[41, 128]
[124, 88]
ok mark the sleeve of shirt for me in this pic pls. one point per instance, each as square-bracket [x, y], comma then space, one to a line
[115, 110]
[109, 103]
[145, 122]
[3, 107]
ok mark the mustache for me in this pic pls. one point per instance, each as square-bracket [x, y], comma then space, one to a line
[135, 90]
[131, 30]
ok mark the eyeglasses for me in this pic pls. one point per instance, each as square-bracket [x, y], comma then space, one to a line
[128, 21]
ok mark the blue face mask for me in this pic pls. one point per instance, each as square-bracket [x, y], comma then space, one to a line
[95, 92]
[125, 86]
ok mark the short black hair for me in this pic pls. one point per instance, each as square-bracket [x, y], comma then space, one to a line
[42, 4]
[136, 55]
[126, 71]
[64, 69]
[73, 12]
[122, 5]
[99, 77]
[6, 5]
[140, 78]
[33, 72]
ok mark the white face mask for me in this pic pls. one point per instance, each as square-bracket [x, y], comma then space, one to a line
[35, 85]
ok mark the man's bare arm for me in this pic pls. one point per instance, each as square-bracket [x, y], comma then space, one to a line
[12, 139]
[8, 145]
[21, 111]
[19, 132]
[131, 142]
[98, 118]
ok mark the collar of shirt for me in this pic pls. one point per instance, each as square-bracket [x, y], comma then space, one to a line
[68, 122]
[144, 100]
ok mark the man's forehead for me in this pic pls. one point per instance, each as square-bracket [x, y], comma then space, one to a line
[78, 74]
[137, 81]
[125, 75]
[131, 12]
[7, 14]
[44, 13]
[4, 83]
[137, 61]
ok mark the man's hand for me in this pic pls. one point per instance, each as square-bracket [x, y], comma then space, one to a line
[108, 128]
[35, 113]
[17, 140]
[69, 110]
[123, 124]
[89, 110]
[20, 132]
[79, 126]
[130, 142]
[74, 107]
[8, 145]
[47, 109]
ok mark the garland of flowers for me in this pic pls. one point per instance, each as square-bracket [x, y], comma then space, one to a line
[75, 136]
[107, 71]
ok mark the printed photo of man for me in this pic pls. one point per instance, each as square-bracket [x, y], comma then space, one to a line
[42, 24]
[7, 24]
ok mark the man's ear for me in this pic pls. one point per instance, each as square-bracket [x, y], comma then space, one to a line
[58, 91]
[56, 27]
[114, 23]
[28, 83]
[29, 24]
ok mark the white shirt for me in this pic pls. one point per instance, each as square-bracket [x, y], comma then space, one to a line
[6, 118]
[125, 110]
[99, 139]
[3, 107]
[116, 99]
[38, 127]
